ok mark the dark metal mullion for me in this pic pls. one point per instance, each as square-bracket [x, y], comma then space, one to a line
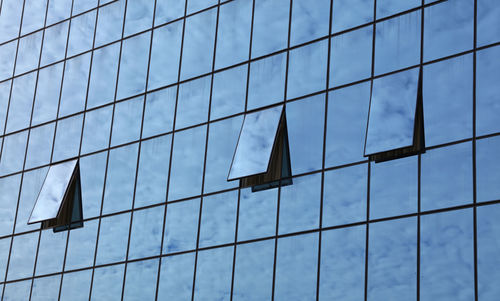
[474, 152]
[419, 157]
[108, 151]
[205, 153]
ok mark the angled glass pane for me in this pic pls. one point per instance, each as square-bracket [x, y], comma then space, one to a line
[54, 43]
[7, 52]
[488, 22]
[28, 53]
[103, 77]
[47, 94]
[255, 144]
[139, 16]
[270, 26]
[81, 33]
[21, 102]
[351, 13]
[229, 92]
[110, 23]
[53, 191]
[267, 81]
[159, 112]
[33, 15]
[392, 112]
[74, 90]
[168, 10]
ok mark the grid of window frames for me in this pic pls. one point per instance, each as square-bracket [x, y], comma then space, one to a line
[150, 96]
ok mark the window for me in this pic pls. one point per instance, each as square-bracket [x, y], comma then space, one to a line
[395, 122]
[59, 205]
[262, 155]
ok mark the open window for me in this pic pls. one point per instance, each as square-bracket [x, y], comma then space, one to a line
[262, 156]
[59, 202]
[396, 120]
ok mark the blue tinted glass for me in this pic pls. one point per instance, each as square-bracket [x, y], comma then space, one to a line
[40, 145]
[80, 6]
[222, 139]
[139, 16]
[187, 165]
[13, 150]
[392, 260]
[127, 121]
[96, 129]
[299, 204]
[447, 177]
[67, 143]
[74, 90]
[342, 274]
[47, 94]
[32, 182]
[8, 203]
[54, 43]
[449, 28]
[81, 246]
[168, 10]
[17, 291]
[92, 170]
[21, 102]
[397, 43]
[113, 238]
[487, 91]
[229, 92]
[306, 123]
[197, 51]
[218, 219]
[165, 55]
[346, 124]
[58, 10]
[176, 277]
[487, 170]
[151, 186]
[120, 179]
[76, 286]
[28, 53]
[110, 23]
[390, 7]
[140, 282]
[33, 15]
[81, 33]
[267, 81]
[446, 260]
[51, 252]
[307, 69]
[193, 102]
[447, 120]
[22, 257]
[257, 214]
[296, 267]
[133, 65]
[4, 254]
[9, 21]
[351, 13]
[270, 26]
[4, 102]
[145, 235]
[309, 20]
[181, 226]
[46, 288]
[233, 37]
[213, 274]
[488, 246]
[488, 26]
[393, 187]
[103, 77]
[196, 5]
[108, 282]
[159, 112]
[351, 56]
[7, 52]
[345, 195]
[251, 260]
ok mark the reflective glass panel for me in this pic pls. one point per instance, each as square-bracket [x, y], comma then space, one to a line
[8, 203]
[81, 33]
[108, 282]
[33, 15]
[344, 198]
[40, 145]
[488, 246]
[139, 16]
[159, 112]
[488, 26]
[58, 10]
[267, 81]
[113, 239]
[81, 246]
[447, 177]
[31, 185]
[4, 102]
[229, 92]
[168, 10]
[4, 254]
[127, 121]
[47, 94]
[17, 291]
[54, 43]
[255, 143]
[165, 54]
[53, 191]
[309, 20]
[397, 42]
[133, 65]
[140, 281]
[233, 36]
[21, 102]
[10, 19]
[92, 170]
[67, 142]
[80, 6]
[28, 53]
[487, 91]
[351, 13]
[193, 102]
[251, 260]
[176, 277]
[96, 129]
[46, 288]
[392, 260]
[76, 286]
[22, 257]
[74, 90]
[213, 274]
[343, 255]
[196, 5]
[7, 52]
[145, 235]
[390, 7]
[110, 23]
[296, 267]
[270, 26]
[51, 252]
[13, 150]
[447, 100]
[181, 226]
[257, 213]
[218, 219]
[103, 77]
[487, 170]
[392, 112]
[198, 47]
[447, 256]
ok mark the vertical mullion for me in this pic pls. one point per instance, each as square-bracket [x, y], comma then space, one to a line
[474, 178]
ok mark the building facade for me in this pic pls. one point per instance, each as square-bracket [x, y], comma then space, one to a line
[150, 97]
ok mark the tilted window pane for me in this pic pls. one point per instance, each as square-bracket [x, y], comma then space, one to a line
[168, 10]
[488, 22]
[267, 81]
[192, 102]
[54, 43]
[28, 53]
[103, 77]
[81, 33]
[488, 247]
[53, 191]
[255, 144]
[74, 90]
[270, 26]
[487, 90]
[139, 16]
[392, 112]
[351, 13]
[47, 94]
